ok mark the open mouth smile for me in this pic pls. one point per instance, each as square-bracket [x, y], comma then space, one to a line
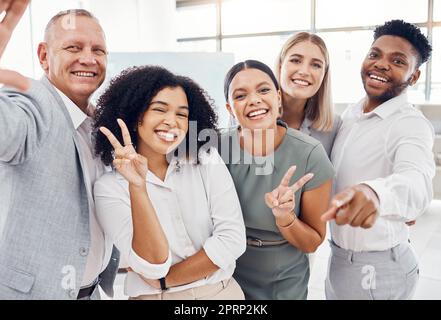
[378, 78]
[84, 74]
[167, 136]
[257, 114]
[301, 82]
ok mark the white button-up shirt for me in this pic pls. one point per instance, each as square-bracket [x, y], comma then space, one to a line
[100, 250]
[197, 207]
[389, 149]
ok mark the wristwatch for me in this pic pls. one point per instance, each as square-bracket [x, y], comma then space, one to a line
[163, 284]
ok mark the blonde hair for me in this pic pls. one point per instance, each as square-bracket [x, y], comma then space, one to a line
[319, 108]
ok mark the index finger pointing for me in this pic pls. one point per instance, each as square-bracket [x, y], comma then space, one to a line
[343, 198]
[125, 132]
[330, 214]
[112, 139]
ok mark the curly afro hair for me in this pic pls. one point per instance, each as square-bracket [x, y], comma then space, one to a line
[409, 32]
[128, 97]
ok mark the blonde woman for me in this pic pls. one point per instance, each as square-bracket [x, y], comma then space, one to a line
[302, 69]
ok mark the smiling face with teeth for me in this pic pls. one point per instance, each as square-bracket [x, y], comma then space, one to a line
[75, 58]
[388, 69]
[254, 100]
[302, 70]
[165, 123]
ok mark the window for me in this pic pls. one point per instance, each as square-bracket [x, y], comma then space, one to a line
[437, 10]
[347, 13]
[197, 46]
[256, 29]
[121, 23]
[264, 49]
[254, 16]
[347, 51]
[436, 67]
[191, 18]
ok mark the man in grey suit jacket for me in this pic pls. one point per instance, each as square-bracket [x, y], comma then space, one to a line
[51, 246]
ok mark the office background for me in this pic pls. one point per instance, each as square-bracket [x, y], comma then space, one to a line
[246, 28]
[243, 29]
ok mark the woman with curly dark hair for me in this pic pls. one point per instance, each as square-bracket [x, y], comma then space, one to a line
[175, 218]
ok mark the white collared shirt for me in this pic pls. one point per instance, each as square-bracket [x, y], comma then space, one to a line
[197, 207]
[389, 149]
[100, 248]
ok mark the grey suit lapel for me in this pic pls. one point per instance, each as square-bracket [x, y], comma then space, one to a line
[45, 81]
[49, 86]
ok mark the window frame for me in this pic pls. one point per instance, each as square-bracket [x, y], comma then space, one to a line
[219, 37]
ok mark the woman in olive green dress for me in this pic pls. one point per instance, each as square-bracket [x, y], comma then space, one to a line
[283, 179]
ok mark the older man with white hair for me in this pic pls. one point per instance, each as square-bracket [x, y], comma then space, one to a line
[51, 245]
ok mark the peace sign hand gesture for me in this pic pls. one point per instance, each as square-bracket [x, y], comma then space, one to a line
[131, 165]
[281, 200]
[14, 10]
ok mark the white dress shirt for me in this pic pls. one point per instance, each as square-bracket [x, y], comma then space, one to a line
[197, 207]
[100, 248]
[389, 149]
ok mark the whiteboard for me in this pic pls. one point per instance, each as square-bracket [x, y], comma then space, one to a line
[207, 69]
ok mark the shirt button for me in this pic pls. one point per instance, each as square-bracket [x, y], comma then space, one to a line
[84, 251]
[72, 294]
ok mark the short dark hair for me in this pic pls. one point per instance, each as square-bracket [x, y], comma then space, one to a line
[129, 96]
[411, 33]
[73, 12]
[247, 64]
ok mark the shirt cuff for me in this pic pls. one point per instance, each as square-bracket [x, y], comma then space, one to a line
[147, 269]
[218, 255]
[382, 194]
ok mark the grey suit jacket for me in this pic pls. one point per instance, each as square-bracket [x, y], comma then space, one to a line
[44, 212]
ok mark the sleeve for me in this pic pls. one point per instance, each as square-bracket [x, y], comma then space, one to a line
[407, 192]
[336, 128]
[319, 164]
[338, 122]
[24, 122]
[114, 215]
[228, 241]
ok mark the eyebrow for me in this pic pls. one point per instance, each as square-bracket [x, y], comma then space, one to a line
[301, 56]
[77, 42]
[71, 42]
[167, 105]
[396, 53]
[243, 89]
